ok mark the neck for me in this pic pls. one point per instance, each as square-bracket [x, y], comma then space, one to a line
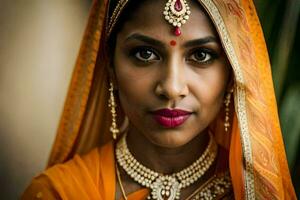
[162, 159]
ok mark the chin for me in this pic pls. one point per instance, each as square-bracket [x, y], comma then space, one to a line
[169, 139]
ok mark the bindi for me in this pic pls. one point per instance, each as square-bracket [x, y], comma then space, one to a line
[173, 43]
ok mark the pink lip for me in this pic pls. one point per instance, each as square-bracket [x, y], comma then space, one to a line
[171, 118]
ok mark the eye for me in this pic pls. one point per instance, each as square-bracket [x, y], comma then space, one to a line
[202, 56]
[145, 55]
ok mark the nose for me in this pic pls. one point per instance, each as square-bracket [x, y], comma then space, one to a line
[172, 84]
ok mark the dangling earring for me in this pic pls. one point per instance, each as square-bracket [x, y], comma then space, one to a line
[112, 104]
[227, 102]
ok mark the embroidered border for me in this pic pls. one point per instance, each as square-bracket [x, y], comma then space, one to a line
[240, 97]
[215, 188]
[117, 11]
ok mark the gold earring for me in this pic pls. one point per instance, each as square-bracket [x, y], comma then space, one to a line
[112, 104]
[227, 103]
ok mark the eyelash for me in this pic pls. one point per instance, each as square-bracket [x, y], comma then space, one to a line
[208, 52]
[135, 51]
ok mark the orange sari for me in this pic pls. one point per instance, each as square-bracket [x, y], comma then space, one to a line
[88, 177]
[257, 160]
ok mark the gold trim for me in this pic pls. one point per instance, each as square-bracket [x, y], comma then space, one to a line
[117, 11]
[120, 182]
[240, 96]
[221, 181]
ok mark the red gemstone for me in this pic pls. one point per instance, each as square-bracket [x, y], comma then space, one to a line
[178, 5]
[177, 31]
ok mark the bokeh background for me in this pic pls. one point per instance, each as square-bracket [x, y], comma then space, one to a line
[39, 41]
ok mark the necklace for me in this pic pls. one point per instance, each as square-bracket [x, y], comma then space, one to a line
[165, 186]
[120, 183]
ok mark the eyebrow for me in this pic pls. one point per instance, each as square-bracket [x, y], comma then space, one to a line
[152, 41]
[201, 41]
[146, 39]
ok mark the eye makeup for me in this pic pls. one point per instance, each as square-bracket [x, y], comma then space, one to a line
[202, 56]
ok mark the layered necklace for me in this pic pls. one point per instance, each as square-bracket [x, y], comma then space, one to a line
[165, 186]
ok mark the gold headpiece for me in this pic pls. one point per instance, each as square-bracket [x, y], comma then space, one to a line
[177, 13]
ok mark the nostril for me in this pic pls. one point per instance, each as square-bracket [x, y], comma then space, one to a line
[171, 93]
[163, 97]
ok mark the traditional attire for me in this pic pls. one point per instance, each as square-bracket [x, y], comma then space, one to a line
[256, 156]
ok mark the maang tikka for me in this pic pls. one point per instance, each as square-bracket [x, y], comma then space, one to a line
[227, 109]
[112, 104]
[177, 12]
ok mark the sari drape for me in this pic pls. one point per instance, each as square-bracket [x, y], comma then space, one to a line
[258, 165]
[87, 177]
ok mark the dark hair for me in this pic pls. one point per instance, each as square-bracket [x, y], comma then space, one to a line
[125, 15]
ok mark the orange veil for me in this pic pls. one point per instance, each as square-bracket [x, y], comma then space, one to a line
[258, 164]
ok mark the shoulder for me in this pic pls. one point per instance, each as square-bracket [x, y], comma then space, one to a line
[82, 173]
[40, 188]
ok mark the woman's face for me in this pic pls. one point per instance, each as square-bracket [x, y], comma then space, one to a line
[170, 92]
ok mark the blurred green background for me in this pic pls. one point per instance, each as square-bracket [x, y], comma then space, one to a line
[281, 24]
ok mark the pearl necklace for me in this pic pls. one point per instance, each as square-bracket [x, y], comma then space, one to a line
[165, 186]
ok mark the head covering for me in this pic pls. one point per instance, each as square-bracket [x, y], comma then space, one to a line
[258, 164]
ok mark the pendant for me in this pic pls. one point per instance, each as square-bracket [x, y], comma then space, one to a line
[177, 13]
[165, 188]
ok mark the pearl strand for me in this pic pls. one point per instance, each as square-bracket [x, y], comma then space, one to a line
[165, 186]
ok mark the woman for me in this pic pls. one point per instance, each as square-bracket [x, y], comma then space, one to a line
[178, 96]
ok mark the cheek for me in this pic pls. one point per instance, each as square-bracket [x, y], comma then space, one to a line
[127, 89]
[134, 87]
[210, 87]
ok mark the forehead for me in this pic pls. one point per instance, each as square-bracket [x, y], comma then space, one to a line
[148, 18]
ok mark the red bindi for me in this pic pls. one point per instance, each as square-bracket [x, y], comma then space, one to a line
[173, 43]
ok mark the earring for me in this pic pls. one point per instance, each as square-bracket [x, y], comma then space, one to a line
[227, 102]
[112, 104]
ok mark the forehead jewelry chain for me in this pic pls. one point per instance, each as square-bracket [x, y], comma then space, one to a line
[177, 12]
[165, 187]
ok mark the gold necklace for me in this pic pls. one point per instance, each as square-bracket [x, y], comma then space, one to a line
[214, 187]
[120, 182]
[165, 186]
